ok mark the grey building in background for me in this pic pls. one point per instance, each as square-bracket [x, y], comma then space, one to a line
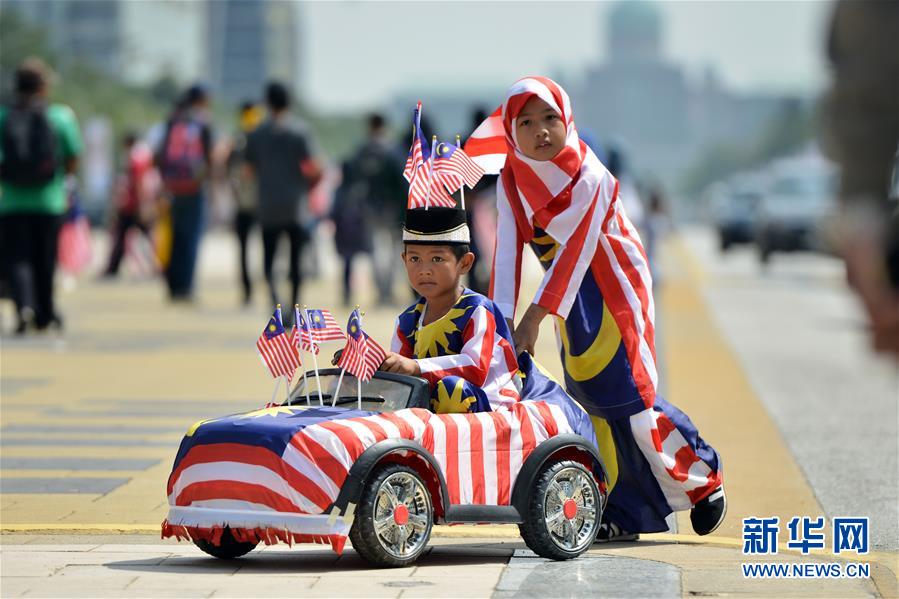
[662, 118]
[78, 30]
[250, 42]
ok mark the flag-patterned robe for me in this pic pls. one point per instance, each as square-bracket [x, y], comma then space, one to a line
[467, 356]
[598, 286]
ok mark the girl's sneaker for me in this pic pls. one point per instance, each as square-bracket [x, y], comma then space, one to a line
[609, 532]
[709, 512]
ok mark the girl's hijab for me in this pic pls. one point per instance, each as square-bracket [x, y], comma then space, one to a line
[544, 186]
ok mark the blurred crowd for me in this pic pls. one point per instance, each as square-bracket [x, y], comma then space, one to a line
[279, 187]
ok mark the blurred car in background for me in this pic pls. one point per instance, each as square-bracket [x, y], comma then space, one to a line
[799, 199]
[734, 208]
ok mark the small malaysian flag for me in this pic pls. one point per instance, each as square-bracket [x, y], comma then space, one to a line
[415, 157]
[320, 326]
[453, 164]
[362, 355]
[302, 339]
[275, 348]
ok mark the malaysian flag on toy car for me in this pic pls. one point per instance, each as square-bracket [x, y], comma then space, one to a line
[275, 348]
[362, 355]
[295, 459]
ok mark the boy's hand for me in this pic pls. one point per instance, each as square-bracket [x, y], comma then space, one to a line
[400, 365]
[336, 357]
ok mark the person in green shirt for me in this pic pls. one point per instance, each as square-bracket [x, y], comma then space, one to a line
[39, 145]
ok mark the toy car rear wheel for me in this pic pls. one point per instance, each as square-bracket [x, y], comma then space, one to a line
[228, 547]
[563, 512]
[394, 517]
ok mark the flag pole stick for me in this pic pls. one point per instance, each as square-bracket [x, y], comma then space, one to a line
[431, 171]
[275, 392]
[359, 392]
[337, 390]
[287, 389]
[461, 189]
[296, 313]
[318, 381]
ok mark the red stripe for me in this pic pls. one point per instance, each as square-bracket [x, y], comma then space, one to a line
[256, 456]
[683, 459]
[321, 457]
[563, 265]
[528, 438]
[633, 276]
[665, 427]
[347, 436]
[503, 436]
[405, 430]
[621, 311]
[478, 482]
[379, 433]
[482, 146]
[452, 457]
[549, 423]
[714, 481]
[230, 489]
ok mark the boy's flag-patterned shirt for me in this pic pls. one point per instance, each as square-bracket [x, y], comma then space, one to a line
[467, 355]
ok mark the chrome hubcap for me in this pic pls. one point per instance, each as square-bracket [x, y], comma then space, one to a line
[402, 515]
[570, 509]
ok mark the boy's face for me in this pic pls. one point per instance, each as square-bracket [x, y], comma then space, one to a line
[434, 270]
[539, 130]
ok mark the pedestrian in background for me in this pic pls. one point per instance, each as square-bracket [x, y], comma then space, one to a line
[39, 144]
[243, 189]
[133, 196]
[377, 168]
[184, 160]
[282, 156]
[861, 133]
[352, 216]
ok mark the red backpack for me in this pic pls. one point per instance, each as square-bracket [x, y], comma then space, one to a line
[183, 161]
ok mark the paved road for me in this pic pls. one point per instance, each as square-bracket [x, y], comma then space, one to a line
[771, 367]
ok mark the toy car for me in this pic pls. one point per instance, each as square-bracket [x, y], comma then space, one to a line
[384, 472]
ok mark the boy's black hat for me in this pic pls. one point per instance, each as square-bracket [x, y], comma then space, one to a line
[436, 226]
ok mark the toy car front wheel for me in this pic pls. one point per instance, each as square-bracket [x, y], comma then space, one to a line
[228, 548]
[563, 512]
[394, 518]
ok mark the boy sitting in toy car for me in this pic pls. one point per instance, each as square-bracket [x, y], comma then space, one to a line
[453, 337]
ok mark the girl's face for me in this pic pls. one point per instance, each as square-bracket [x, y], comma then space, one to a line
[539, 130]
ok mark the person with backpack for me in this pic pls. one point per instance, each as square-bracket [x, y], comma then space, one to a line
[184, 159]
[39, 145]
[281, 155]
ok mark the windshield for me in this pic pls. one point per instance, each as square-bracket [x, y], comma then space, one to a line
[378, 395]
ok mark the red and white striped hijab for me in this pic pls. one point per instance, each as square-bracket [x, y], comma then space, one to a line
[544, 185]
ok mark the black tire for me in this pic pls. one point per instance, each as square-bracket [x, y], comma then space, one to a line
[537, 533]
[383, 546]
[227, 548]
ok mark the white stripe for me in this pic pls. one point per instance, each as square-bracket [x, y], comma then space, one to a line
[330, 442]
[417, 425]
[232, 504]
[515, 446]
[636, 311]
[362, 432]
[439, 453]
[393, 432]
[302, 464]
[508, 247]
[464, 441]
[245, 473]
[553, 177]
[488, 438]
